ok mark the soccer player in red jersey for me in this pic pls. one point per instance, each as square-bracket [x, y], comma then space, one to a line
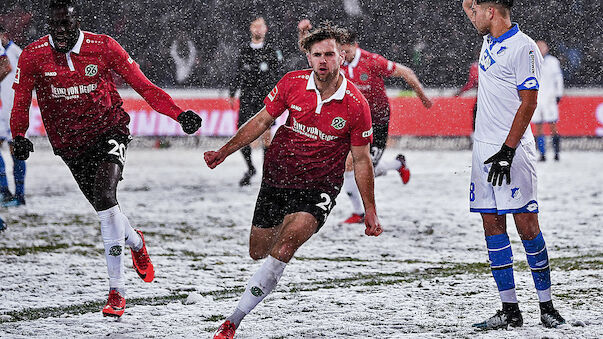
[367, 71]
[304, 165]
[472, 82]
[70, 71]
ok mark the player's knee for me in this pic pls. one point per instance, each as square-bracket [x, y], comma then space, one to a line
[104, 199]
[257, 255]
[284, 251]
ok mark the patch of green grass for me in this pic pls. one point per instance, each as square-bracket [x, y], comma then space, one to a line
[86, 307]
[53, 247]
[215, 317]
[442, 270]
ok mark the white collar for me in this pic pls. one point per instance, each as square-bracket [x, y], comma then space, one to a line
[338, 95]
[76, 48]
[356, 60]
[256, 46]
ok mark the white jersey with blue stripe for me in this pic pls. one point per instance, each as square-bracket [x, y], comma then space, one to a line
[13, 52]
[507, 64]
[7, 93]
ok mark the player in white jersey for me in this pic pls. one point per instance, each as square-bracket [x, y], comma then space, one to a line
[549, 95]
[504, 154]
[9, 55]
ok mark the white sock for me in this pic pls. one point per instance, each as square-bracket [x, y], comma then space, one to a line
[544, 295]
[508, 296]
[385, 165]
[133, 239]
[112, 230]
[259, 286]
[351, 189]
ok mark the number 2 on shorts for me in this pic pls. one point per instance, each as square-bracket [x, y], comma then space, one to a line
[326, 204]
[119, 150]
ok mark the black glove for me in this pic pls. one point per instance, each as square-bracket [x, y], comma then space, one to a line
[189, 121]
[21, 148]
[501, 165]
[558, 99]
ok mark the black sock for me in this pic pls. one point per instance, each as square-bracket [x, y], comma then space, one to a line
[510, 307]
[546, 307]
[247, 156]
[556, 143]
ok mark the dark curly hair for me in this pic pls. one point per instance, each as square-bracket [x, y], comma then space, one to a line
[325, 31]
[505, 3]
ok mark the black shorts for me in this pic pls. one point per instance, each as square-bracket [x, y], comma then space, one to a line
[275, 203]
[110, 148]
[379, 142]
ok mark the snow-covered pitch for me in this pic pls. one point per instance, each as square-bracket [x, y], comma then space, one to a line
[426, 276]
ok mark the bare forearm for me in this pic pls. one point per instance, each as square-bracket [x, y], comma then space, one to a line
[5, 67]
[411, 79]
[520, 123]
[3, 74]
[246, 134]
[19, 119]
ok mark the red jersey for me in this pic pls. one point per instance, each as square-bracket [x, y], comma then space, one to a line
[76, 93]
[472, 80]
[367, 71]
[309, 151]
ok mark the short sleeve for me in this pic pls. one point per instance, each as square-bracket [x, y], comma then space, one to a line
[384, 67]
[362, 129]
[276, 100]
[25, 73]
[528, 64]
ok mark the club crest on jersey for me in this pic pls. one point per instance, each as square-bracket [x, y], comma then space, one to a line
[91, 70]
[364, 77]
[338, 123]
[273, 93]
[486, 61]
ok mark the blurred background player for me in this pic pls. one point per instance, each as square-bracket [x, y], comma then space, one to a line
[367, 71]
[258, 70]
[70, 70]
[503, 173]
[472, 82]
[9, 55]
[549, 95]
[303, 169]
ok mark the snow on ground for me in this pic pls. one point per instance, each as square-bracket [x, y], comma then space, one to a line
[425, 277]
